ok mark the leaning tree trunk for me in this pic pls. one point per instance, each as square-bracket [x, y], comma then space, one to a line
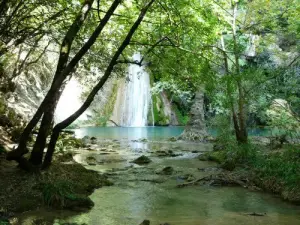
[46, 106]
[196, 128]
[37, 153]
[22, 149]
[49, 113]
[62, 125]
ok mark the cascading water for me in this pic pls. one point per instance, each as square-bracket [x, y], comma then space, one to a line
[137, 96]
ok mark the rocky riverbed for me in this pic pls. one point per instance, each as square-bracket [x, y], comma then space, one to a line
[165, 182]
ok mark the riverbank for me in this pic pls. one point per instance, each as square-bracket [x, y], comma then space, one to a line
[65, 185]
[260, 167]
[152, 190]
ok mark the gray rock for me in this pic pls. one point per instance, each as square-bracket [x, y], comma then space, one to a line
[167, 170]
[142, 160]
[196, 128]
[145, 222]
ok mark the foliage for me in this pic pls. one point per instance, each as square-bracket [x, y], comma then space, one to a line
[182, 118]
[160, 118]
[282, 120]
[283, 166]
[55, 194]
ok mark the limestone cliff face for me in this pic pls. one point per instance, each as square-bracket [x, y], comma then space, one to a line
[30, 89]
[196, 128]
[167, 109]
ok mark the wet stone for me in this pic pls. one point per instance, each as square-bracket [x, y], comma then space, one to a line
[90, 160]
[166, 171]
[142, 160]
[145, 222]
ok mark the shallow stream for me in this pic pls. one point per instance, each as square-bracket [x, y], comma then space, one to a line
[143, 192]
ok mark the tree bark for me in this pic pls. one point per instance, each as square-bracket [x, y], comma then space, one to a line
[47, 120]
[22, 149]
[243, 135]
[62, 125]
[63, 59]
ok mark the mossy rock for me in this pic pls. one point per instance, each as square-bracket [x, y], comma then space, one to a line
[173, 139]
[78, 203]
[228, 165]
[90, 160]
[218, 156]
[145, 222]
[167, 170]
[204, 157]
[142, 160]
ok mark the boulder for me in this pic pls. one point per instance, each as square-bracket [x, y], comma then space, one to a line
[167, 171]
[145, 222]
[142, 160]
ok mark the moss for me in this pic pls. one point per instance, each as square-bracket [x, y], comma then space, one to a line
[62, 186]
[218, 156]
[182, 118]
[160, 118]
[108, 109]
[60, 194]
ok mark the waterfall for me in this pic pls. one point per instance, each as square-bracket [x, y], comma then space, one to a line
[137, 96]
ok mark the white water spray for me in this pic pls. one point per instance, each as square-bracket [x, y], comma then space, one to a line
[137, 96]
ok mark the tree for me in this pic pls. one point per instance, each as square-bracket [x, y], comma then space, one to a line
[62, 125]
[64, 69]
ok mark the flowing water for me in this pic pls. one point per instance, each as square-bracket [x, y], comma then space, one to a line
[142, 192]
[137, 96]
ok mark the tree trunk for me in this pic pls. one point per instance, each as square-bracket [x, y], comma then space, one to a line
[36, 157]
[196, 128]
[46, 105]
[51, 147]
[3, 7]
[62, 125]
[243, 135]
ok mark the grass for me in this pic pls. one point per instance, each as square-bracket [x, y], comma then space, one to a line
[282, 166]
[57, 192]
[63, 186]
[276, 171]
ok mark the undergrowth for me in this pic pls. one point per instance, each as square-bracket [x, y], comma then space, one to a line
[276, 170]
[56, 193]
